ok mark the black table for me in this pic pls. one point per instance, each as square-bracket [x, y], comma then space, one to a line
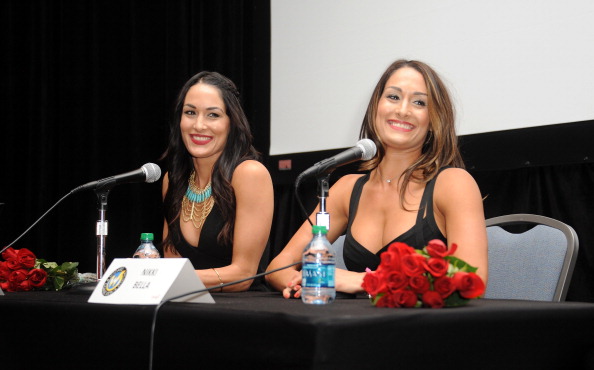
[264, 331]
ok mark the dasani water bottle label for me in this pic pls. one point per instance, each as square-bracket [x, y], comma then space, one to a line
[317, 276]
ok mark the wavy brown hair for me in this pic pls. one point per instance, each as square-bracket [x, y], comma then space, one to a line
[441, 145]
[238, 148]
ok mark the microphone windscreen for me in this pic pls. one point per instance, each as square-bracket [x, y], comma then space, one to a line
[152, 172]
[368, 147]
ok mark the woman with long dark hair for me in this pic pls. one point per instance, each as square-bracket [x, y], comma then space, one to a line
[416, 188]
[218, 197]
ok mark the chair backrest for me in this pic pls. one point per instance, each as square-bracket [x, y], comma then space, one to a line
[338, 247]
[533, 265]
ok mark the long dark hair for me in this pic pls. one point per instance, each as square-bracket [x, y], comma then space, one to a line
[238, 148]
[441, 144]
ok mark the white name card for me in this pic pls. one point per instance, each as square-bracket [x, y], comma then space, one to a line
[149, 281]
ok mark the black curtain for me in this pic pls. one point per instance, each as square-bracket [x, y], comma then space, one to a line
[87, 91]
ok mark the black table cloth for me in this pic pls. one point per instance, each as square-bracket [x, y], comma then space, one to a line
[261, 330]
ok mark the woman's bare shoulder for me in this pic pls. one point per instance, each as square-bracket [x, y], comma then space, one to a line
[251, 169]
[455, 176]
[454, 185]
[251, 165]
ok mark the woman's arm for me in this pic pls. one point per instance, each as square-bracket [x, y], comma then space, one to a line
[254, 201]
[459, 208]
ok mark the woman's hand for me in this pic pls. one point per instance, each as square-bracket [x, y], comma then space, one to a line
[293, 288]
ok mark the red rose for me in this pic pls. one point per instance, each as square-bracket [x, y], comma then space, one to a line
[16, 278]
[437, 248]
[419, 284]
[386, 300]
[5, 285]
[18, 275]
[382, 273]
[396, 280]
[24, 286]
[37, 277]
[444, 286]
[436, 266]
[4, 271]
[13, 264]
[26, 258]
[404, 298]
[373, 283]
[9, 254]
[390, 260]
[469, 284]
[413, 264]
[432, 299]
[401, 249]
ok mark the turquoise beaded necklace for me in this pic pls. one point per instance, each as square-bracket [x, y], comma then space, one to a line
[200, 196]
[197, 203]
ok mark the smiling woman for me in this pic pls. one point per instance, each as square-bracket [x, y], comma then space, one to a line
[218, 197]
[416, 189]
[204, 112]
[402, 113]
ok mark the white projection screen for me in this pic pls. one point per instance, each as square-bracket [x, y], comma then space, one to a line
[508, 63]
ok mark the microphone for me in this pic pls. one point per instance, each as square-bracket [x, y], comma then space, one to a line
[364, 150]
[150, 172]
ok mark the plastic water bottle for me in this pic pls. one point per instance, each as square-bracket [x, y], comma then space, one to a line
[146, 249]
[318, 269]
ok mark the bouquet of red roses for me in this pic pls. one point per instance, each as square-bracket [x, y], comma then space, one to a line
[22, 271]
[431, 277]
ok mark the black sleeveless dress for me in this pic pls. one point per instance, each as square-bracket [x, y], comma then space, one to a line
[210, 254]
[358, 258]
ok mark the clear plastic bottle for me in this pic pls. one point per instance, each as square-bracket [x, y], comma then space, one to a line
[146, 249]
[318, 269]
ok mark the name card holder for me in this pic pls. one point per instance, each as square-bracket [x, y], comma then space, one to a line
[149, 281]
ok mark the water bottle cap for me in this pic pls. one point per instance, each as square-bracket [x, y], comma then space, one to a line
[147, 236]
[319, 229]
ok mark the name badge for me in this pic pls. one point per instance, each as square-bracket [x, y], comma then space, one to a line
[149, 281]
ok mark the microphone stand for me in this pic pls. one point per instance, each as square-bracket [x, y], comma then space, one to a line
[101, 230]
[323, 217]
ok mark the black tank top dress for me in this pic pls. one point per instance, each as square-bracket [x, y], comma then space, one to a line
[358, 258]
[210, 254]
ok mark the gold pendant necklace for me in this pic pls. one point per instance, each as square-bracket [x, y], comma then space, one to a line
[197, 203]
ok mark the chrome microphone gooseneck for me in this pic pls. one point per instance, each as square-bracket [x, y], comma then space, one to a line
[101, 231]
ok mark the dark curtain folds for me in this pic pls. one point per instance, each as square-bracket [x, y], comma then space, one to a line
[87, 90]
